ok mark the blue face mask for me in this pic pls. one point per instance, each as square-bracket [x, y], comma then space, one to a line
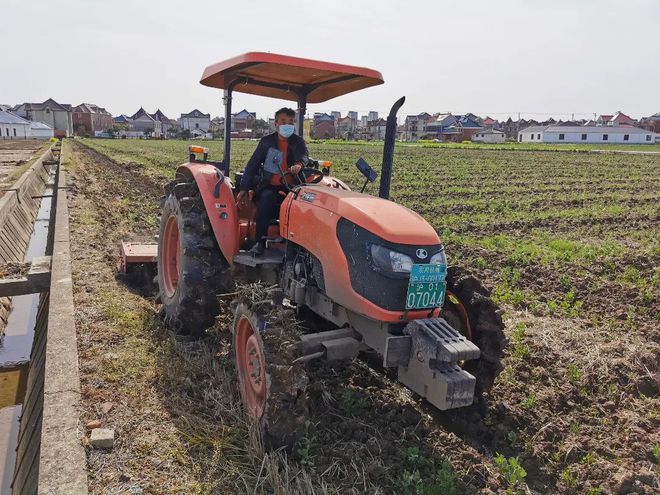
[286, 130]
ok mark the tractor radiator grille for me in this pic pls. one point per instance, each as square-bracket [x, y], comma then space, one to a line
[383, 289]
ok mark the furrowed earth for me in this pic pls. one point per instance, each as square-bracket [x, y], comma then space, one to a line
[566, 240]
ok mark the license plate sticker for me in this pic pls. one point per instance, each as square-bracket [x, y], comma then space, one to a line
[427, 286]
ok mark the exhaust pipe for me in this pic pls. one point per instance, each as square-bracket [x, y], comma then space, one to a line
[388, 150]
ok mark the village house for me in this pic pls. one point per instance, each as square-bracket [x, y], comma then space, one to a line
[168, 127]
[415, 126]
[488, 135]
[618, 119]
[143, 123]
[90, 119]
[651, 123]
[376, 129]
[490, 123]
[242, 123]
[56, 115]
[39, 130]
[346, 128]
[122, 119]
[323, 126]
[511, 127]
[598, 134]
[195, 120]
[448, 127]
[217, 126]
[13, 127]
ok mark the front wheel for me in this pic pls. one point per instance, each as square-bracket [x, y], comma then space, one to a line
[271, 383]
[469, 309]
[191, 268]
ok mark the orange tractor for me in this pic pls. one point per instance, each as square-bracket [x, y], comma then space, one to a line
[361, 272]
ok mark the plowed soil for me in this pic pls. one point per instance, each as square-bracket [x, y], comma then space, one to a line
[576, 407]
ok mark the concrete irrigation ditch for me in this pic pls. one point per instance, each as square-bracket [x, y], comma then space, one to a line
[41, 450]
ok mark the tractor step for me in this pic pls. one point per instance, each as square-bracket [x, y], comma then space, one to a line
[271, 256]
[333, 345]
[432, 370]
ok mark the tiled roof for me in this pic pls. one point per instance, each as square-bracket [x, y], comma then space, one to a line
[597, 128]
[534, 128]
[584, 129]
[140, 113]
[160, 116]
[196, 114]
[49, 103]
[10, 118]
[40, 125]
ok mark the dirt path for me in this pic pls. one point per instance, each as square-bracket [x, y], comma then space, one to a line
[579, 414]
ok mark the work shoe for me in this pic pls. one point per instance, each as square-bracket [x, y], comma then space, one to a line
[258, 249]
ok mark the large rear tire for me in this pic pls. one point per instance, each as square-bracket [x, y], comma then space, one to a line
[191, 268]
[469, 308]
[271, 383]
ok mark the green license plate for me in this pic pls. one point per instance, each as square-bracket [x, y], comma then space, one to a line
[427, 285]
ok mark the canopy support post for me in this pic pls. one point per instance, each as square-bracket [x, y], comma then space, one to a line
[227, 102]
[302, 109]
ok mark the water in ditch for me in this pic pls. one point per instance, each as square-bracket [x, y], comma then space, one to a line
[16, 346]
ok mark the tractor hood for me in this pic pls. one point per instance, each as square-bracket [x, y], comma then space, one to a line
[384, 218]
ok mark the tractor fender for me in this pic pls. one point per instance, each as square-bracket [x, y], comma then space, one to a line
[219, 202]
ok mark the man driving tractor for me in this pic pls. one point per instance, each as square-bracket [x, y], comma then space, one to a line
[290, 152]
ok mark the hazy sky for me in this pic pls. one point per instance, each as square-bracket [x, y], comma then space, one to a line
[484, 56]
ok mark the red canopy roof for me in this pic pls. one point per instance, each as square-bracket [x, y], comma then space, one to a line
[284, 77]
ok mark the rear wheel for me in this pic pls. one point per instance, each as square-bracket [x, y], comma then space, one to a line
[272, 385]
[469, 309]
[191, 268]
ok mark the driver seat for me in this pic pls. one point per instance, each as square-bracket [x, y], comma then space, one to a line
[246, 222]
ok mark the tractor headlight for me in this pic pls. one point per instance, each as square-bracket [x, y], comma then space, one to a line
[390, 261]
[439, 258]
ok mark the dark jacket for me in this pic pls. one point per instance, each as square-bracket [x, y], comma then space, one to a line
[255, 177]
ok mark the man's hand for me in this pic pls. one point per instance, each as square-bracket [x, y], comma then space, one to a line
[296, 168]
[240, 198]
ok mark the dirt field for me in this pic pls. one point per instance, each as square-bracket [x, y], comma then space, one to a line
[567, 241]
[15, 156]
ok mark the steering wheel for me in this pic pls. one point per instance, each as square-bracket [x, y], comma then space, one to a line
[310, 176]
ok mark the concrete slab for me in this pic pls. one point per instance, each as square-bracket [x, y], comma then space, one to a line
[62, 457]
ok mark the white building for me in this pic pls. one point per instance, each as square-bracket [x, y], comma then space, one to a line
[39, 130]
[195, 120]
[488, 136]
[13, 127]
[586, 135]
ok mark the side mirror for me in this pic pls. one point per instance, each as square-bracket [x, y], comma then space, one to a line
[369, 173]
